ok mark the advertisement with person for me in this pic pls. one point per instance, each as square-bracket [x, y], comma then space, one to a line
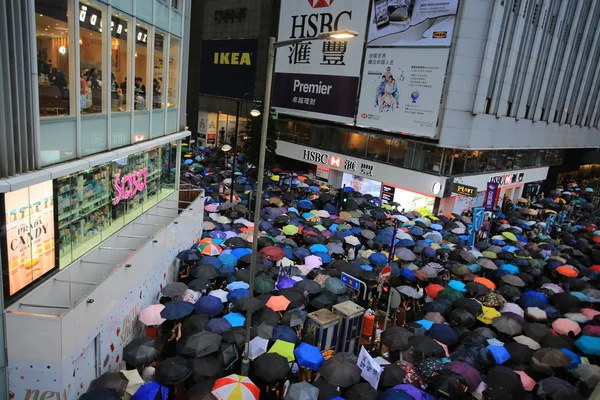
[401, 89]
[29, 218]
[408, 200]
[228, 67]
[319, 78]
[412, 22]
[362, 185]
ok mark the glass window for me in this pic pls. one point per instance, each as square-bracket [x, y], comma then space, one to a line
[119, 63]
[286, 130]
[159, 58]
[398, 152]
[338, 140]
[378, 148]
[357, 144]
[90, 47]
[317, 136]
[141, 67]
[175, 4]
[174, 47]
[302, 133]
[472, 165]
[433, 159]
[52, 39]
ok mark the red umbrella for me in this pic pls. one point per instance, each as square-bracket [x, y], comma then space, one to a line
[272, 253]
[278, 303]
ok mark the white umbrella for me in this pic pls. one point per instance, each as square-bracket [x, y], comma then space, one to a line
[527, 341]
[134, 382]
[257, 347]
[285, 262]
[352, 240]
[219, 293]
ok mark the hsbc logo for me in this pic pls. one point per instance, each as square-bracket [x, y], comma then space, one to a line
[364, 116]
[335, 162]
[508, 179]
[320, 3]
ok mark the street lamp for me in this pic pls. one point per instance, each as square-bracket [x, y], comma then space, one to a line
[226, 149]
[335, 35]
[255, 113]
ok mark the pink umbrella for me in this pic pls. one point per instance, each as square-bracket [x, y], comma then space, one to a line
[211, 208]
[444, 347]
[526, 381]
[554, 287]
[150, 315]
[563, 326]
[589, 313]
[513, 308]
[313, 261]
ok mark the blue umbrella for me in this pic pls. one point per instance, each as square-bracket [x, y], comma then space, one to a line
[589, 345]
[218, 326]
[149, 391]
[235, 319]
[306, 204]
[318, 248]
[237, 285]
[217, 234]
[188, 162]
[395, 394]
[284, 333]
[510, 249]
[240, 252]
[325, 257]
[511, 269]
[209, 305]
[228, 260]
[405, 243]
[531, 301]
[177, 309]
[214, 261]
[307, 215]
[189, 255]
[336, 286]
[533, 293]
[457, 285]
[408, 274]
[301, 252]
[443, 333]
[378, 258]
[308, 356]
[474, 268]
[576, 359]
[237, 294]
[499, 353]
[425, 323]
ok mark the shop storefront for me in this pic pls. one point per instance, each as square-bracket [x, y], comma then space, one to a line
[413, 190]
[217, 129]
[513, 186]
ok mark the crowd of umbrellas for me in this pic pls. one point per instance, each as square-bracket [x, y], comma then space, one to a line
[513, 317]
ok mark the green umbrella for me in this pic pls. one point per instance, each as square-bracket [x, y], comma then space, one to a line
[290, 230]
[451, 294]
[510, 236]
[263, 284]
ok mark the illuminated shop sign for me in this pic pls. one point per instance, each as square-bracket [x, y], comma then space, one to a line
[508, 179]
[129, 185]
[336, 161]
[464, 190]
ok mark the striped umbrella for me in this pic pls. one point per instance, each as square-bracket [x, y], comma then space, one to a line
[235, 387]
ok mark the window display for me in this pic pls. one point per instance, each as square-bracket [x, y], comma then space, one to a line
[95, 203]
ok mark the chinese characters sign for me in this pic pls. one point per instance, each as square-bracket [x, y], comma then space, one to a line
[402, 88]
[369, 369]
[319, 78]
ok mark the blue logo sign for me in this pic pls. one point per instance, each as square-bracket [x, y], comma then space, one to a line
[351, 281]
[478, 214]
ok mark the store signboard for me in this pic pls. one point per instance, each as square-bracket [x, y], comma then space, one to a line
[129, 185]
[387, 193]
[362, 185]
[338, 162]
[412, 22]
[228, 67]
[508, 179]
[319, 78]
[211, 130]
[30, 247]
[401, 89]
[464, 190]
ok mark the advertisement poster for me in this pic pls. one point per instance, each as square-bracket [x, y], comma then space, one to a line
[478, 216]
[29, 217]
[211, 130]
[409, 201]
[319, 78]
[401, 89]
[490, 196]
[228, 67]
[322, 174]
[362, 185]
[412, 22]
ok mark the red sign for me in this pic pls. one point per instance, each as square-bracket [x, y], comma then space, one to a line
[385, 274]
[320, 3]
[335, 161]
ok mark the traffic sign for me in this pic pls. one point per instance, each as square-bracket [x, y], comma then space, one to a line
[351, 281]
[385, 274]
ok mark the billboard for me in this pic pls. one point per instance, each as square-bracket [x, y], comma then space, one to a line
[412, 22]
[402, 88]
[319, 78]
[408, 200]
[29, 218]
[362, 184]
[228, 67]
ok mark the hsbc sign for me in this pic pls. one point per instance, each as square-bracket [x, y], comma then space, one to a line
[320, 3]
[508, 179]
[338, 162]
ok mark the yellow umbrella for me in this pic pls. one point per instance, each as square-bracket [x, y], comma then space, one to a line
[275, 178]
[488, 314]
[550, 212]
[560, 200]
[290, 230]
[285, 349]
[510, 236]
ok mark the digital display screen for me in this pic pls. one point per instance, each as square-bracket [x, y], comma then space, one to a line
[362, 185]
[29, 215]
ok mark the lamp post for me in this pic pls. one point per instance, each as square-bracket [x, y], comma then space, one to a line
[335, 35]
[255, 113]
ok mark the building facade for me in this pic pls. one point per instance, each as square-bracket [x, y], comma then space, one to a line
[91, 132]
[431, 96]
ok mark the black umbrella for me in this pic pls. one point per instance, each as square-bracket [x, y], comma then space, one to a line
[110, 380]
[396, 339]
[208, 367]
[536, 331]
[326, 389]
[236, 242]
[476, 288]
[519, 353]
[227, 354]
[101, 394]
[242, 275]
[343, 374]
[558, 342]
[294, 318]
[201, 391]
[204, 271]
[471, 305]
[199, 344]
[392, 375]
[295, 296]
[174, 289]
[565, 302]
[552, 357]
[555, 388]
[194, 324]
[198, 285]
[462, 317]
[309, 286]
[503, 384]
[141, 351]
[426, 347]
[361, 391]
[265, 315]
[172, 371]
[270, 367]
[235, 335]
[247, 304]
